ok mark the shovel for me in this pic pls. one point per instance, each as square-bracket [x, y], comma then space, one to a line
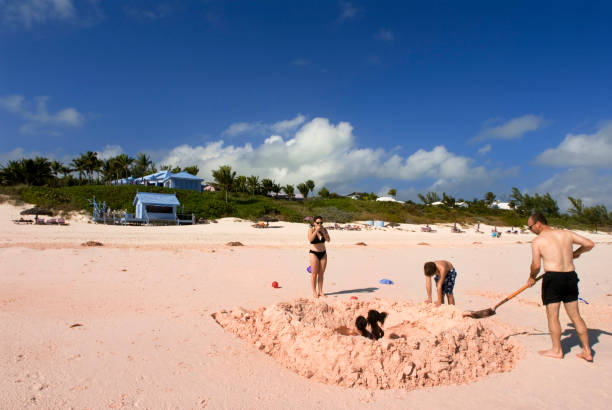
[479, 314]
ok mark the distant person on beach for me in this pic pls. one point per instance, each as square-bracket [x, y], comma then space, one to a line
[317, 236]
[560, 282]
[444, 274]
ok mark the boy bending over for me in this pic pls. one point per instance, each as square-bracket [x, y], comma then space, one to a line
[444, 274]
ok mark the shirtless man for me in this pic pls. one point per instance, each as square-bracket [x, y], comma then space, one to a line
[560, 282]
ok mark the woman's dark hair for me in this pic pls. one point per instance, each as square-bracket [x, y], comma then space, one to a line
[317, 217]
[360, 324]
[374, 317]
[430, 268]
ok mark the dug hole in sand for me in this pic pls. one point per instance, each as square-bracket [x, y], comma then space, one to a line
[422, 346]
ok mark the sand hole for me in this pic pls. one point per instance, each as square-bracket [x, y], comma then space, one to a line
[422, 346]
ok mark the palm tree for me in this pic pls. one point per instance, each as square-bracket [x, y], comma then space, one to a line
[310, 185]
[56, 168]
[289, 190]
[429, 198]
[78, 164]
[392, 192]
[193, 170]
[142, 164]
[224, 176]
[267, 185]
[253, 184]
[123, 163]
[91, 163]
[577, 209]
[489, 198]
[304, 190]
[241, 183]
[276, 188]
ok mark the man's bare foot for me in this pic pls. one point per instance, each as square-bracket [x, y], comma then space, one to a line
[585, 356]
[551, 353]
[315, 296]
[323, 295]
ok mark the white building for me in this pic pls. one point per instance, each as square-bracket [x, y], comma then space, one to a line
[388, 199]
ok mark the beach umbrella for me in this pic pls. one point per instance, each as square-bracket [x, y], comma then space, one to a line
[309, 218]
[36, 211]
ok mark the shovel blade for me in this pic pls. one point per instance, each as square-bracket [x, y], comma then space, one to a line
[479, 314]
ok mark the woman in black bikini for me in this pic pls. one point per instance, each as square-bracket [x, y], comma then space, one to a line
[317, 236]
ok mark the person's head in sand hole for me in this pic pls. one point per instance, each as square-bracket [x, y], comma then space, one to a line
[374, 317]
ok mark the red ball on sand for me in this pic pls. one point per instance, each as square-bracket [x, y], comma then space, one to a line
[354, 297]
[275, 285]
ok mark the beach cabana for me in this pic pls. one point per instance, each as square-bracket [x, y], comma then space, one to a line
[156, 207]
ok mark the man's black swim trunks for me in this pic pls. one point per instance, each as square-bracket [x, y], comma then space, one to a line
[559, 287]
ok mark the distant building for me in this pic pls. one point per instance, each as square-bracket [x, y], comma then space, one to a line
[388, 199]
[437, 203]
[461, 204]
[355, 195]
[166, 179]
[501, 205]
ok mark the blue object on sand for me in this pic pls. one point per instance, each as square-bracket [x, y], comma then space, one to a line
[309, 269]
[386, 281]
[583, 300]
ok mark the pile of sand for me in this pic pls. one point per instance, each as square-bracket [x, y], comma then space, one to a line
[422, 346]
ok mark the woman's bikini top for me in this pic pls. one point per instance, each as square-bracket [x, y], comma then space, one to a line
[317, 240]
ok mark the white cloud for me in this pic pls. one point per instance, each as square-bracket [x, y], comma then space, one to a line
[110, 151]
[593, 188]
[326, 153]
[39, 120]
[348, 11]
[158, 12]
[260, 128]
[484, 149]
[587, 150]
[511, 129]
[385, 35]
[300, 62]
[239, 128]
[30, 12]
[288, 125]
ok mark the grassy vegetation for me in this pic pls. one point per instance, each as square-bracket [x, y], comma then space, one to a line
[212, 205]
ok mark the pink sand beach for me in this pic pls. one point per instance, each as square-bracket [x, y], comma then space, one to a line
[172, 317]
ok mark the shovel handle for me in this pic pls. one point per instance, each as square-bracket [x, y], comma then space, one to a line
[516, 293]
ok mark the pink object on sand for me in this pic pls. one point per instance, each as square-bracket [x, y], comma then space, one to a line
[275, 285]
[354, 297]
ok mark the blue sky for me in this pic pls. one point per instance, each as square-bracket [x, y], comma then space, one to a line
[461, 97]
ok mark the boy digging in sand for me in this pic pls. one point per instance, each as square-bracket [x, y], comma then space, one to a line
[444, 274]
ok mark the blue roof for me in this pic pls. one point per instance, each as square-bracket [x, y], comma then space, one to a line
[183, 175]
[148, 198]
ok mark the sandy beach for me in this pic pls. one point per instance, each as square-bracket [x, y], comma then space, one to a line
[135, 323]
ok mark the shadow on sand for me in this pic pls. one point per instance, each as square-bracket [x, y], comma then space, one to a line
[343, 292]
[572, 340]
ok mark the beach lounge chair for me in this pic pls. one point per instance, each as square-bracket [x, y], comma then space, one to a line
[337, 226]
[426, 228]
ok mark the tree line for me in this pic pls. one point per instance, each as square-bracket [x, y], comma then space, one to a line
[88, 168]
